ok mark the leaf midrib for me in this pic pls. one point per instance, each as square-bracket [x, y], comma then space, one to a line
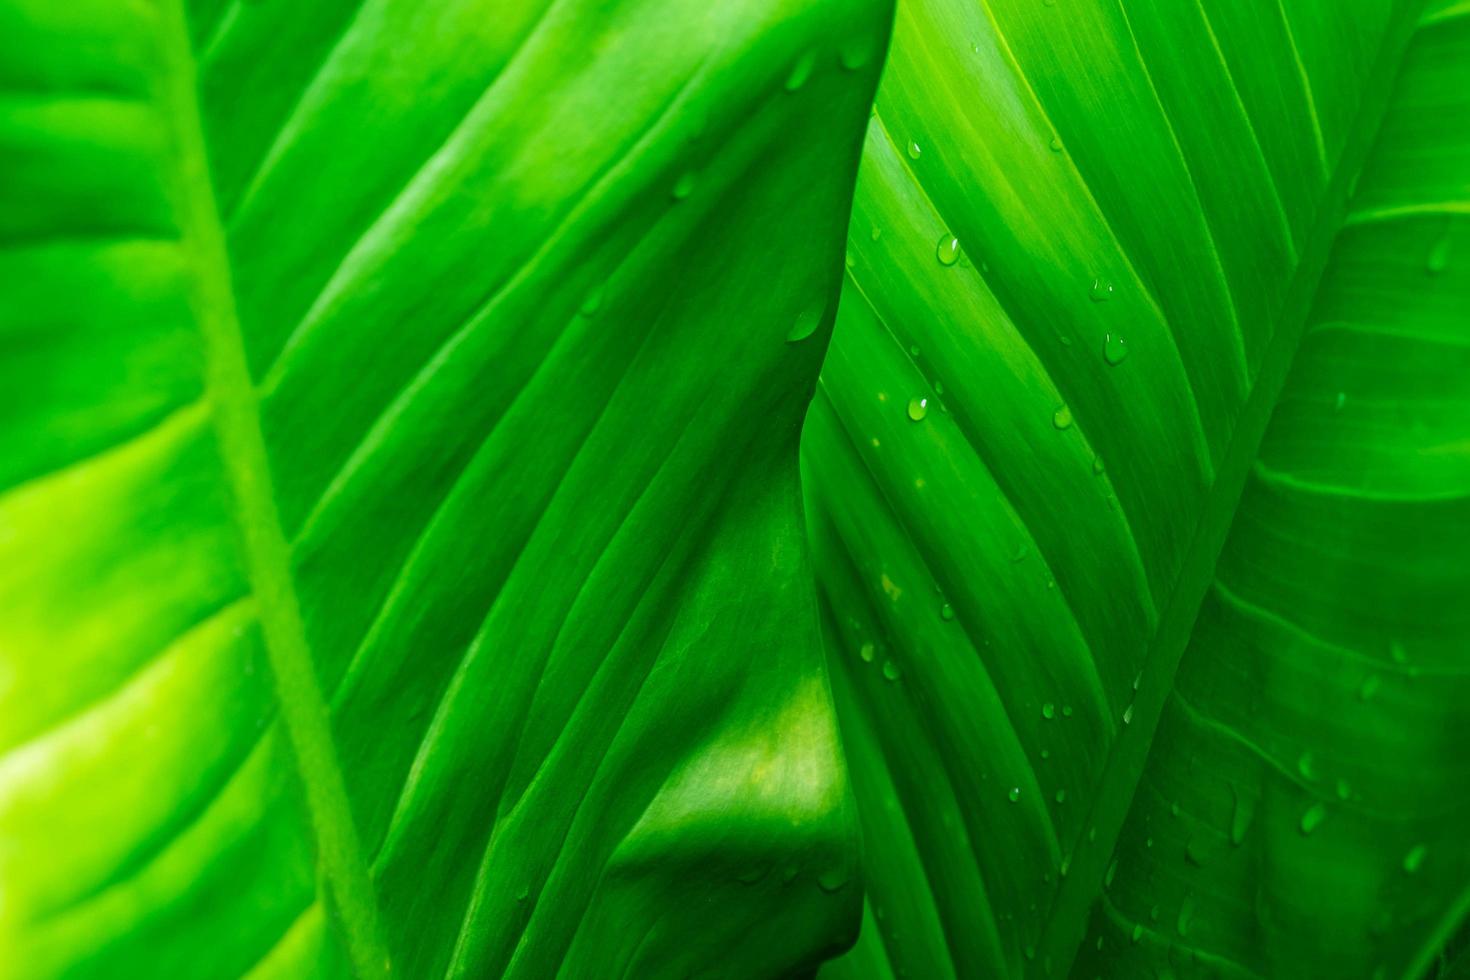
[1066, 923]
[236, 418]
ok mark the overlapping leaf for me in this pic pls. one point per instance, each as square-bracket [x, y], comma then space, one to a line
[400, 549]
[1087, 244]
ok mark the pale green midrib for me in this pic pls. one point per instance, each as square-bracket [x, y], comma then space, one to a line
[267, 556]
[1066, 923]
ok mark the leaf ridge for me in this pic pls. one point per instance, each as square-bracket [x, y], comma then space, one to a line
[266, 553]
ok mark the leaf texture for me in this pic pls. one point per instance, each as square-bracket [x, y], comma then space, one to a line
[1088, 244]
[400, 541]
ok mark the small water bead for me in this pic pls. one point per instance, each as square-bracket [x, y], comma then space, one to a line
[948, 249]
[913, 350]
[1313, 817]
[1415, 858]
[848, 260]
[1061, 796]
[1102, 291]
[805, 325]
[1048, 711]
[867, 652]
[1344, 789]
[1306, 766]
[1339, 401]
[876, 233]
[1115, 349]
[1097, 466]
[1062, 418]
[891, 671]
[1056, 145]
[592, 303]
[1369, 687]
[1137, 936]
[946, 612]
[1241, 816]
[1186, 915]
[1153, 914]
[856, 53]
[1066, 711]
[918, 408]
[801, 71]
[1195, 854]
[915, 151]
[1128, 715]
[1045, 754]
[1174, 810]
[684, 186]
[1014, 794]
[1110, 873]
[1439, 256]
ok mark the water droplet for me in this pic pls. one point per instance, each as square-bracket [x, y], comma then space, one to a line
[914, 150]
[1031, 952]
[1056, 145]
[1137, 680]
[1099, 943]
[1066, 711]
[1061, 796]
[1115, 349]
[1153, 914]
[1313, 817]
[1241, 816]
[849, 261]
[1194, 853]
[1110, 873]
[1369, 687]
[913, 350]
[1048, 711]
[1339, 401]
[1020, 554]
[1102, 291]
[805, 325]
[684, 186]
[876, 233]
[1045, 754]
[1097, 466]
[1174, 810]
[1344, 789]
[1439, 255]
[801, 71]
[1128, 715]
[867, 652]
[946, 612]
[1306, 766]
[524, 893]
[833, 880]
[918, 408]
[856, 53]
[1062, 418]
[948, 249]
[890, 670]
[1397, 651]
[938, 387]
[1186, 915]
[592, 303]
[1415, 858]
[1137, 934]
[1014, 794]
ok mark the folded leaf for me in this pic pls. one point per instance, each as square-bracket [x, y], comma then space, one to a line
[1088, 242]
[401, 556]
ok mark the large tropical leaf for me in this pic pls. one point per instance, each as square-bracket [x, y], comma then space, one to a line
[1088, 248]
[401, 565]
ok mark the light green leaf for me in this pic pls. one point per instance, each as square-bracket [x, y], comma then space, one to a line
[1088, 246]
[401, 564]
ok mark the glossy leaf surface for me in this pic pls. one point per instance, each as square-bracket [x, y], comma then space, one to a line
[1089, 242]
[401, 561]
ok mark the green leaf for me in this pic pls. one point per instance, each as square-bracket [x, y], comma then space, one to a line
[1090, 243]
[401, 559]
